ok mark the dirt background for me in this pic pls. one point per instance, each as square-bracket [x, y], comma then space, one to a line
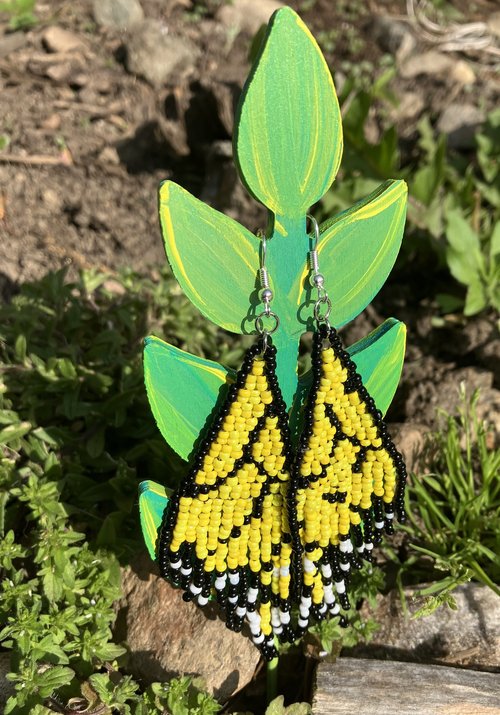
[88, 134]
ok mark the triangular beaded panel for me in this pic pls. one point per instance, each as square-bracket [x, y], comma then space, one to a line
[225, 531]
[348, 480]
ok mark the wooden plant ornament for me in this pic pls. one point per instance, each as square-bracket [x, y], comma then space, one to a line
[292, 480]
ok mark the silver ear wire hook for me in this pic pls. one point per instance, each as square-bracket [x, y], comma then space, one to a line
[317, 279]
[266, 295]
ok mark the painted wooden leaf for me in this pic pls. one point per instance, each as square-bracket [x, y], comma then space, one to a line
[182, 390]
[379, 360]
[213, 257]
[288, 139]
[153, 499]
[357, 250]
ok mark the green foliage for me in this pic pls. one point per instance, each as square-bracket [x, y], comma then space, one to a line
[365, 586]
[455, 508]
[183, 696]
[75, 434]
[20, 13]
[278, 707]
[454, 199]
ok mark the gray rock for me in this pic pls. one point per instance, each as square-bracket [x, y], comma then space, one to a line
[118, 14]
[462, 73]
[427, 63]
[468, 636]
[410, 106]
[168, 637]
[460, 122]
[247, 15]
[393, 36]
[57, 39]
[12, 42]
[410, 440]
[155, 54]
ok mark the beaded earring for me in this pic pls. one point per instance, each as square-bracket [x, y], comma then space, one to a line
[225, 531]
[348, 478]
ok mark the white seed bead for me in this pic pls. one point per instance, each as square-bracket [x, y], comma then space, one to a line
[252, 595]
[340, 586]
[346, 546]
[309, 566]
[326, 570]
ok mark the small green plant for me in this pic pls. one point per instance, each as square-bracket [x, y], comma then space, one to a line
[454, 202]
[477, 267]
[366, 585]
[278, 707]
[454, 509]
[75, 432]
[20, 13]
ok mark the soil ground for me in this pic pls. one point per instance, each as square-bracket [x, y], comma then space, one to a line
[87, 144]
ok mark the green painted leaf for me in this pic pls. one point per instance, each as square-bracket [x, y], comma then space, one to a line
[182, 390]
[153, 499]
[288, 138]
[213, 257]
[357, 250]
[379, 360]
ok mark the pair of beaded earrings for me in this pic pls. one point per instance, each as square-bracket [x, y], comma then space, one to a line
[271, 531]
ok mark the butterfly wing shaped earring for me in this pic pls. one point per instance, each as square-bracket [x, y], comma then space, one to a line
[225, 531]
[348, 478]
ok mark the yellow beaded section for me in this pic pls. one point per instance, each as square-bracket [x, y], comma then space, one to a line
[324, 522]
[220, 524]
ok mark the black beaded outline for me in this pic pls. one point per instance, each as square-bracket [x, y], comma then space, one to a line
[189, 488]
[358, 535]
